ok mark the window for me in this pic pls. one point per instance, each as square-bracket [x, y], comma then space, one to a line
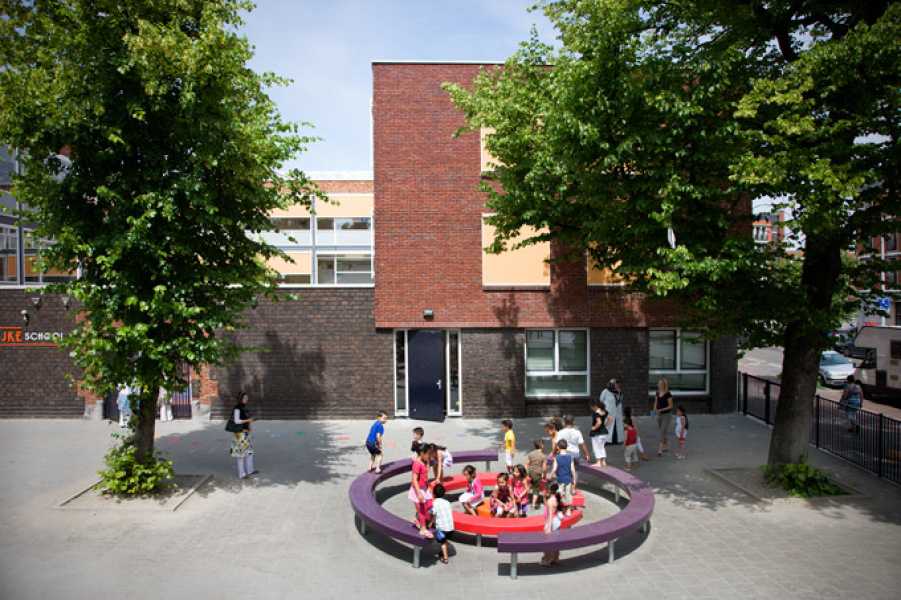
[354, 231]
[8, 254]
[453, 376]
[557, 362]
[515, 267]
[400, 372]
[344, 269]
[681, 357]
[891, 242]
[291, 224]
[294, 279]
[325, 224]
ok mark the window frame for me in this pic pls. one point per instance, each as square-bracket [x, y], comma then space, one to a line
[447, 372]
[334, 256]
[556, 371]
[679, 370]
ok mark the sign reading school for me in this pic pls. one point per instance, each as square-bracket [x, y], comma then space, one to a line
[16, 336]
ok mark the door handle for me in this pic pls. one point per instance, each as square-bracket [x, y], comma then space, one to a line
[438, 383]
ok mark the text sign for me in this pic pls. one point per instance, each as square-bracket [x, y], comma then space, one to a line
[16, 336]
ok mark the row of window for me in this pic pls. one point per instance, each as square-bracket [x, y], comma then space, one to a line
[9, 259]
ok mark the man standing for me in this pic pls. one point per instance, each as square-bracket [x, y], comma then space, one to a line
[612, 399]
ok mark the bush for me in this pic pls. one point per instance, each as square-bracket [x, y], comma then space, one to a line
[125, 475]
[801, 480]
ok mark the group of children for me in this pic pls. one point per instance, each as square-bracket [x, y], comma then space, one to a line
[548, 478]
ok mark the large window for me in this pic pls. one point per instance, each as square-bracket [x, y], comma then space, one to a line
[352, 231]
[556, 362]
[344, 269]
[681, 357]
[8, 254]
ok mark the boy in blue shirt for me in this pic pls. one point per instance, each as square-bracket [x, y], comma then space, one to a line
[564, 471]
[374, 442]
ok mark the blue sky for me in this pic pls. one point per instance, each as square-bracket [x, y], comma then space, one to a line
[327, 46]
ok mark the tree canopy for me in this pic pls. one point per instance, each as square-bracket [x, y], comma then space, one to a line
[176, 153]
[651, 117]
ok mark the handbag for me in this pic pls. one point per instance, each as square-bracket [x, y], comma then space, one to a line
[233, 427]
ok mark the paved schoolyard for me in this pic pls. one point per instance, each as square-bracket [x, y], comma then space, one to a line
[290, 534]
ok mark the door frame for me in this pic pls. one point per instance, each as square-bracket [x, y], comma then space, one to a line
[447, 370]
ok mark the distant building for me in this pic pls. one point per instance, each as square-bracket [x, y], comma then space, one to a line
[769, 227]
[886, 247]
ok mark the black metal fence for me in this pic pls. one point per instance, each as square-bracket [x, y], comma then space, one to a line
[870, 440]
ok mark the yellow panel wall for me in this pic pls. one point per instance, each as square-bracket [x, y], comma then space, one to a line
[302, 265]
[526, 266]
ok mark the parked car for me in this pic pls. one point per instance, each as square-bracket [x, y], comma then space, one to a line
[834, 369]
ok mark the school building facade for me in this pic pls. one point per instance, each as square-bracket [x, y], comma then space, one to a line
[397, 306]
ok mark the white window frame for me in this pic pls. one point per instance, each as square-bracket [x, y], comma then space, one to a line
[333, 255]
[679, 370]
[447, 366]
[557, 371]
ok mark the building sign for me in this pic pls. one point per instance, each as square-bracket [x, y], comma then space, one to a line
[16, 336]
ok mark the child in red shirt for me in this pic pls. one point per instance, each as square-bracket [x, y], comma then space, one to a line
[631, 452]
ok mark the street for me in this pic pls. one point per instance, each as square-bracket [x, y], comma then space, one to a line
[767, 363]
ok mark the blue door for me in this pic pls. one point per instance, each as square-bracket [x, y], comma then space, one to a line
[426, 376]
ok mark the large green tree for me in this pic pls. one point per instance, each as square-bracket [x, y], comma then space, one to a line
[175, 151]
[643, 136]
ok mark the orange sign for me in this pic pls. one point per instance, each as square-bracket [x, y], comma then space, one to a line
[16, 336]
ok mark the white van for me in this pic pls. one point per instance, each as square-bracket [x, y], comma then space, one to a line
[880, 368]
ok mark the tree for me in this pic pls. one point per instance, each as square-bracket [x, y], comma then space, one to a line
[653, 117]
[175, 152]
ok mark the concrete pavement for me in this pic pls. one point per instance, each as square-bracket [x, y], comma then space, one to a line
[290, 533]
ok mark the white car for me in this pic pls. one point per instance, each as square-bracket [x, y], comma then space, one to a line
[834, 369]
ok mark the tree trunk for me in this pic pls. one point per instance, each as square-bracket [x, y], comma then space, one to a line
[145, 424]
[804, 339]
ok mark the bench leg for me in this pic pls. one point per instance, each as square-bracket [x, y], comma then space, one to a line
[416, 551]
[487, 465]
[362, 526]
[513, 557]
[610, 552]
[478, 540]
[644, 527]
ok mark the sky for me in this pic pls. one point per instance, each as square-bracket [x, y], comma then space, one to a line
[327, 47]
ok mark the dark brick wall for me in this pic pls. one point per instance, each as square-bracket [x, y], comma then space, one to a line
[319, 356]
[33, 379]
[493, 372]
[623, 354]
[723, 374]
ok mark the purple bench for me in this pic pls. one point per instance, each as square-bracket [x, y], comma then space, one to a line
[372, 514]
[636, 515]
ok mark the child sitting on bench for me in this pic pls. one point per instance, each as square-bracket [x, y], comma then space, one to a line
[475, 492]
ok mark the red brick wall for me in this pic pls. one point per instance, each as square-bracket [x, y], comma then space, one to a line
[428, 251]
[351, 186]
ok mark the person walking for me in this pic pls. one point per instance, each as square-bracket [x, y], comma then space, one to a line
[612, 399]
[664, 408]
[242, 445]
[164, 400]
[124, 405]
[851, 401]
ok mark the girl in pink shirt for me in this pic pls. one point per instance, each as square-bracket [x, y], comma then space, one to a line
[474, 494]
[419, 490]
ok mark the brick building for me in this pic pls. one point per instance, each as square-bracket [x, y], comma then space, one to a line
[399, 308]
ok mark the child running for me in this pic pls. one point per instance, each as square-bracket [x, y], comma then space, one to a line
[475, 492]
[631, 451]
[520, 486]
[374, 442]
[564, 471]
[681, 430]
[627, 414]
[502, 504]
[418, 432]
[444, 520]
[537, 468]
[509, 443]
[419, 490]
[552, 520]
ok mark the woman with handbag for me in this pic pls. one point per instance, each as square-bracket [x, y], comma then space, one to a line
[242, 446]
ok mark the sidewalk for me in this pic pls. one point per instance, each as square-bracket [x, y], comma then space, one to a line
[290, 533]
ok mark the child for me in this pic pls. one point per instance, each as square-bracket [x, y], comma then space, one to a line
[627, 413]
[552, 520]
[509, 443]
[442, 461]
[474, 494]
[521, 485]
[419, 490]
[681, 430]
[418, 432]
[444, 519]
[502, 498]
[631, 451]
[374, 442]
[600, 422]
[564, 471]
[537, 469]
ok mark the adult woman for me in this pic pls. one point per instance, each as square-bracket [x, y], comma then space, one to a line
[851, 400]
[612, 399]
[242, 447]
[664, 408]
[601, 422]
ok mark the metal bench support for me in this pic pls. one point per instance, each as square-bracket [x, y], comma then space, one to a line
[487, 465]
[416, 552]
[513, 557]
[610, 546]
[478, 540]
[363, 526]
[645, 526]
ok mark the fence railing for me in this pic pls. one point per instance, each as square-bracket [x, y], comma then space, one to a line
[870, 440]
